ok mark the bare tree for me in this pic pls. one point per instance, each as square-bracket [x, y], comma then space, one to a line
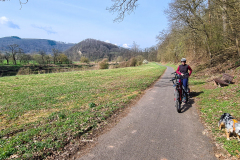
[1, 57]
[55, 54]
[122, 7]
[135, 49]
[7, 56]
[48, 59]
[21, 56]
[27, 58]
[43, 54]
[14, 50]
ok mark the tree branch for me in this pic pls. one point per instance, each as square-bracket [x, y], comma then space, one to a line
[20, 2]
[122, 7]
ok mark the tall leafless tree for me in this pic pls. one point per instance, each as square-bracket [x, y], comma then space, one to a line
[55, 54]
[14, 50]
[43, 54]
[7, 56]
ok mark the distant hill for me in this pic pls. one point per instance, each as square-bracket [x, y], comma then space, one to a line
[95, 49]
[34, 45]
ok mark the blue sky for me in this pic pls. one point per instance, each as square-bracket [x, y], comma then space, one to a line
[75, 20]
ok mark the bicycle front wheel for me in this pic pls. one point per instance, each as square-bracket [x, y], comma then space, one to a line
[178, 102]
[178, 106]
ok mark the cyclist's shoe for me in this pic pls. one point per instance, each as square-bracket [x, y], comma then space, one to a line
[184, 99]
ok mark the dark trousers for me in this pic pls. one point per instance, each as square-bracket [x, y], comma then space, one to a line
[185, 84]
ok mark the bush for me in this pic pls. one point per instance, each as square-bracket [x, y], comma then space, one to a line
[139, 58]
[103, 64]
[123, 64]
[119, 59]
[132, 62]
[84, 59]
[24, 71]
[113, 66]
[139, 63]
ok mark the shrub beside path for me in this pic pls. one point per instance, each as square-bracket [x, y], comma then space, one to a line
[154, 130]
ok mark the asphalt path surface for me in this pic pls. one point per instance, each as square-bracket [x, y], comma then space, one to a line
[153, 130]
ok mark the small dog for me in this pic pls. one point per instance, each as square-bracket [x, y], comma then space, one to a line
[230, 124]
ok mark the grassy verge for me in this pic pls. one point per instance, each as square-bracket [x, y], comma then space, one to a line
[212, 103]
[40, 114]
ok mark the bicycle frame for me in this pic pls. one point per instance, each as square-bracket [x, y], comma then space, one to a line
[179, 89]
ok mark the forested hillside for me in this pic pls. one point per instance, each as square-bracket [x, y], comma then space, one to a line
[34, 45]
[203, 31]
[95, 49]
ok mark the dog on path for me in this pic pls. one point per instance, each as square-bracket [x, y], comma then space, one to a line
[230, 124]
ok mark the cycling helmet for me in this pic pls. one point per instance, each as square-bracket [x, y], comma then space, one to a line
[183, 60]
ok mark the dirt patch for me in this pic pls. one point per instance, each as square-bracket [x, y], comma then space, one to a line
[28, 117]
[210, 85]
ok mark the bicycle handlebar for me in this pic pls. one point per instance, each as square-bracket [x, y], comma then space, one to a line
[177, 76]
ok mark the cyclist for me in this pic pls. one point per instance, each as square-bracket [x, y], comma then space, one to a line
[182, 70]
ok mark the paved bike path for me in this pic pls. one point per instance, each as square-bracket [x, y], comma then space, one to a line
[153, 130]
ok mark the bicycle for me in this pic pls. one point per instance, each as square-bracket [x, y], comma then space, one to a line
[180, 90]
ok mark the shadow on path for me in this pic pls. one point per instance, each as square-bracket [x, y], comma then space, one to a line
[195, 94]
[187, 106]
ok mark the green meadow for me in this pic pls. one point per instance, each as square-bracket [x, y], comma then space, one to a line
[212, 103]
[40, 114]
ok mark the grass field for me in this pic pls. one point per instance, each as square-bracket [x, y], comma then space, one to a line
[40, 114]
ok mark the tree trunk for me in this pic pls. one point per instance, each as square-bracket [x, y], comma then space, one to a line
[14, 60]
[237, 46]
[210, 18]
[224, 17]
[209, 15]
[209, 52]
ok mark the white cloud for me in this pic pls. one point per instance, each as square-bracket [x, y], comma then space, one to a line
[5, 21]
[125, 46]
[49, 30]
[107, 41]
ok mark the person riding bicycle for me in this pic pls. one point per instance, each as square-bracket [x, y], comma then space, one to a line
[183, 70]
